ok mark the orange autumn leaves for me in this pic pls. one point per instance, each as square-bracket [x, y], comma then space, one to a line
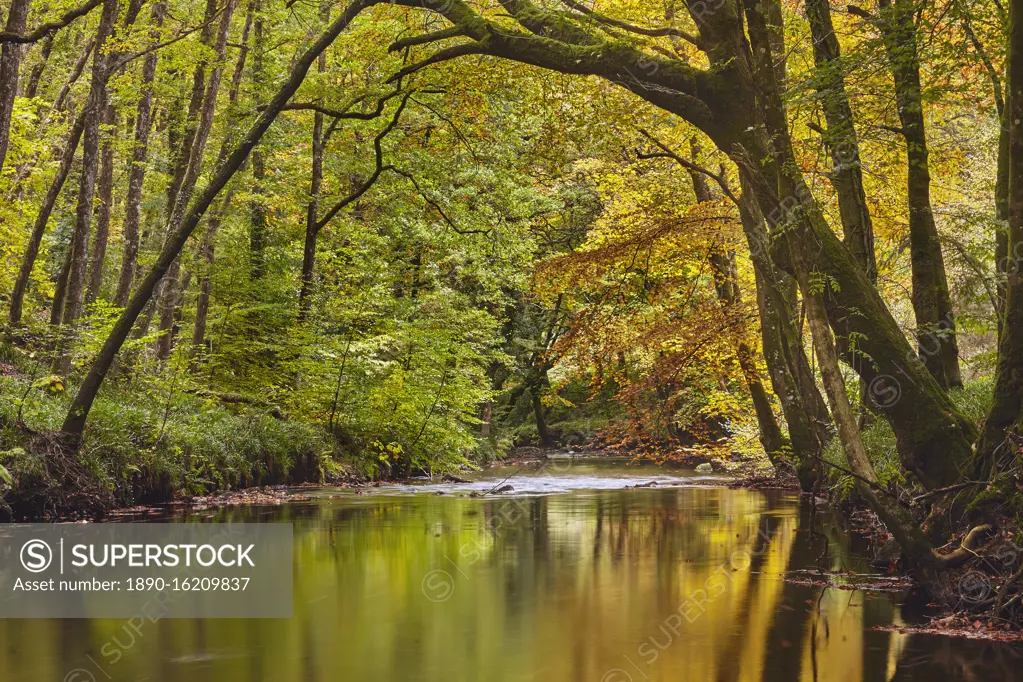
[645, 316]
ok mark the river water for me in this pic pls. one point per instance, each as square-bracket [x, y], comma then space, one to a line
[582, 572]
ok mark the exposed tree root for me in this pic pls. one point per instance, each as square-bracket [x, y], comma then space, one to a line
[965, 550]
[53, 483]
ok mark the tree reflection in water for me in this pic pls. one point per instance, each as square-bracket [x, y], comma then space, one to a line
[608, 585]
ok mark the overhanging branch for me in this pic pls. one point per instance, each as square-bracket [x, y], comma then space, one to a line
[440, 56]
[378, 154]
[667, 153]
[666, 32]
[426, 38]
[51, 26]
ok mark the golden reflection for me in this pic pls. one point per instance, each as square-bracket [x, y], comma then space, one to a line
[604, 586]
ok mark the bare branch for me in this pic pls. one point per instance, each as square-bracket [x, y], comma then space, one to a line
[378, 153]
[667, 153]
[51, 26]
[411, 178]
[631, 28]
[412, 41]
[440, 56]
[127, 59]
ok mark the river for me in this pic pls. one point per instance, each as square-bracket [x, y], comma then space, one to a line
[582, 572]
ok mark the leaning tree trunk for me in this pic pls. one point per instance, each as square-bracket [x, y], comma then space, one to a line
[1008, 398]
[78, 414]
[843, 142]
[95, 106]
[35, 239]
[10, 63]
[932, 303]
[792, 379]
[917, 550]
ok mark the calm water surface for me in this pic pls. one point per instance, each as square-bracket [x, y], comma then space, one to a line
[576, 575]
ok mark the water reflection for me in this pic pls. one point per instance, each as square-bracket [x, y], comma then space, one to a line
[651, 584]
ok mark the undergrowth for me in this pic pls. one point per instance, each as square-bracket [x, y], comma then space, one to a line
[973, 400]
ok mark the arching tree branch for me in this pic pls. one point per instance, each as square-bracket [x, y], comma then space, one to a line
[440, 56]
[378, 153]
[426, 197]
[51, 26]
[666, 32]
[667, 153]
[426, 38]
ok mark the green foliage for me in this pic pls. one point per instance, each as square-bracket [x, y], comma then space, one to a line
[142, 444]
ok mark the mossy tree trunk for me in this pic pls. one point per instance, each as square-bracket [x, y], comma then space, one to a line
[932, 303]
[841, 138]
[792, 379]
[1008, 397]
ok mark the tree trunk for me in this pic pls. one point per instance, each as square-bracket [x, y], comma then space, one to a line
[1002, 173]
[313, 207]
[1008, 398]
[202, 302]
[1002, 261]
[35, 239]
[932, 304]
[917, 551]
[106, 197]
[94, 109]
[539, 415]
[170, 294]
[206, 249]
[841, 138]
[137, 172]
[37, 71]
[78, 414]
[726, 285]
[806, 415]
[10, 63]
[257, 212]
[60, 289]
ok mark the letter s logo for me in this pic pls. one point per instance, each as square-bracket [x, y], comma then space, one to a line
[36, 556]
